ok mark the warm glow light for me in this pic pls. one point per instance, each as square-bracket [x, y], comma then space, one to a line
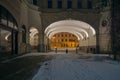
[33, 31]
[63, 40]
[66, 29]
[72, 26]
[72, 32]
[34, 37]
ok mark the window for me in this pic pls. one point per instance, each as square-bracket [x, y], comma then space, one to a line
[8, 34]
[73, 35]
[50, 3]
[69, 4]
[104, 3]
[7, 19]
[62, 35]
[35, 2]
[66, 40]
[65, 35]
[4, 15]
[89, 4]
[59, 3]
[69, 35]
[79, 4]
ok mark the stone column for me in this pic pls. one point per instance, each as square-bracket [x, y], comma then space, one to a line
[28, 41]
[54, 3]
[74, 4]
[19, 42]
[45, 3]
[64, 4]
[42, 45]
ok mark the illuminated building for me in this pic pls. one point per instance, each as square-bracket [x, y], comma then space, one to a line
[64, 40]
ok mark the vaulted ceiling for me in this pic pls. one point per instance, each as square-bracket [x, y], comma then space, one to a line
[79, 28]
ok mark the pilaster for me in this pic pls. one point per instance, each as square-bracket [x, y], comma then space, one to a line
[74, 4]
[84, 4]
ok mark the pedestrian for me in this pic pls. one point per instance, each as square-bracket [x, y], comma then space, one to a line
[56, 50]
[76, 51]
[66, 51]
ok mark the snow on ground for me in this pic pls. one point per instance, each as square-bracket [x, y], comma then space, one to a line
[73, 67]
[70, 67]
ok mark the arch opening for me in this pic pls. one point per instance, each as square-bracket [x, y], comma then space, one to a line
[34, 39]
[83, 31]
[68, 25]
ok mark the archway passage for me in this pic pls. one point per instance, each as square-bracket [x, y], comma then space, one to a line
[79, 28]
[85, 33]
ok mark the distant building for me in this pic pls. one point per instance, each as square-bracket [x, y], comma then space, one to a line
[64, 40]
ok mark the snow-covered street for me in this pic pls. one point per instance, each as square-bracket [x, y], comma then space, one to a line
[72, 67]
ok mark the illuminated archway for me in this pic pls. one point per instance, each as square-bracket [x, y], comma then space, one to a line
[82, 30]
[73, 26]
[34, 38]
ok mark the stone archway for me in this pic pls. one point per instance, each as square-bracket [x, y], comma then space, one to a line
[34, 39]
[85, 33]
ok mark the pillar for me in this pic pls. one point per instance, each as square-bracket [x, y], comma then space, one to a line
[54, 3]
[28, 41]
[41, 45]
[74, 4]
[45, 3]
[64, 4]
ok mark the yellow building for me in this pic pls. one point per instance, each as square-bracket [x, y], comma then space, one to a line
[64, 40]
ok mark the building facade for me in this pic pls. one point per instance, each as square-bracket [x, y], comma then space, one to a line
[63, 40]
[34, 22]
